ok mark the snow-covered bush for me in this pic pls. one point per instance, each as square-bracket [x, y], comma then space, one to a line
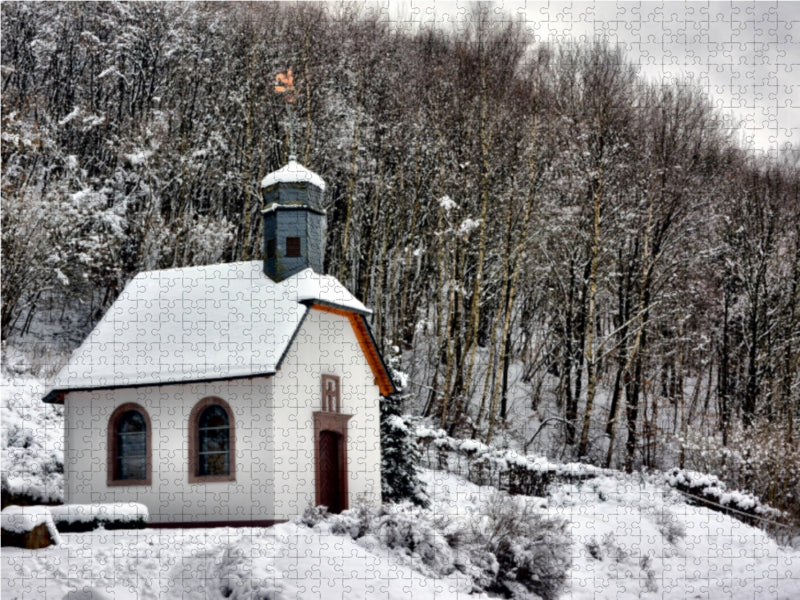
[502, 468]
[86, 517]
[355, 522]
[670, 526]
[313, 515]
[762, 459]
[506, 548]
[414, 535]
[713, 493]
[32, 440]
[421, 544]
[246, 572]
[533, 552]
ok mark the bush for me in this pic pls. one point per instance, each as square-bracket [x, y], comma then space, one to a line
[533, 552]
[418, 540]
[355, 522]
[246, 572]
[313, 515]
[762, 459]
[501, 468]
[709, 491]
[509, 550]
[76, 518]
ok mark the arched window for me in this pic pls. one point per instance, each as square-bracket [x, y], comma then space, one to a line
[211, 442]
[129, 454]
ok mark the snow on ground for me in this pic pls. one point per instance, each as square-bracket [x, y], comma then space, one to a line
[285, 561]
[636, 539]
[631, 539]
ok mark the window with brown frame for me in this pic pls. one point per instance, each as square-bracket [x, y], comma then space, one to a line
[212, 442]
[129, 446]
[270, 248]
[292, 246]
[331, 394]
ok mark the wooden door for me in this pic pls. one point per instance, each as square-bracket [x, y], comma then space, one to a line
[330, 471]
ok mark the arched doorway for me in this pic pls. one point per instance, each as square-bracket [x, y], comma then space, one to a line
[331, 471]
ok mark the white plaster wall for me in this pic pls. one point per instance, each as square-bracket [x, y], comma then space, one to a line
[171, 498]
[325, 343]
[274, 429]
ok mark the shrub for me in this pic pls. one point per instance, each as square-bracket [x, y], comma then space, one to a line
[762, 459]
[709, 491]
[313, 515]
[533, 552]
[355, 522]
[418, 540]
[75, 518]
[501, 468]
[509, 550]
[670, 527]
[246, 572]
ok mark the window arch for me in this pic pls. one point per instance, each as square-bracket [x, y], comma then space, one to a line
[129, 446]
[212, 442]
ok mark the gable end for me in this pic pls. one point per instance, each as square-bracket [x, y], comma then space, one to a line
[367, 343]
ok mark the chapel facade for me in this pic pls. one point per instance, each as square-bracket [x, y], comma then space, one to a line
[237, 393]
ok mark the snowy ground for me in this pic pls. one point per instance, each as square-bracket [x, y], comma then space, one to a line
[285, 561]
[634, 539]
[631, 540]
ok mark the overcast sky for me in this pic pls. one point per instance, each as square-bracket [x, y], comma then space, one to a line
[746, 55]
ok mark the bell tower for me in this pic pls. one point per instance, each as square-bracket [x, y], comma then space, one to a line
[294, 221]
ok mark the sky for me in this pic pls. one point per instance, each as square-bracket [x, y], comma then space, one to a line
[746, 55]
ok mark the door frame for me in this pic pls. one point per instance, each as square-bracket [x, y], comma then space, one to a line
[335, 423]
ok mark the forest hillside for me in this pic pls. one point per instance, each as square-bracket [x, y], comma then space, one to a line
[561, 253]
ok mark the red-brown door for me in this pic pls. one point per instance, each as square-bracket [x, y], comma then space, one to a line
[330, 471]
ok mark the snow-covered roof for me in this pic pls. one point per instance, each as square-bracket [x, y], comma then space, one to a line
[198, 323]
[292, 172]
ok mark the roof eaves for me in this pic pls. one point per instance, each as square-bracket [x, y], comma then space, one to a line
[276, 207]
[380, 356]
[56, 395]
[309, 302]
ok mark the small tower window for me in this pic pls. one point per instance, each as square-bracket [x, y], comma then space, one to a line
[270, 248]
[292, 246]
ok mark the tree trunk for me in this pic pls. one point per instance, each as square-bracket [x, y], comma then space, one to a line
[591, 384]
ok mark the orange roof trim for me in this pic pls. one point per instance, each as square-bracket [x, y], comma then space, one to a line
[382, 379]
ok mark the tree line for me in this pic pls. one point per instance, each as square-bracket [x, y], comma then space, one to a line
[520, 216]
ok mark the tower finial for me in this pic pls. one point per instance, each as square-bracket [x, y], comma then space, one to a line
[284, 84]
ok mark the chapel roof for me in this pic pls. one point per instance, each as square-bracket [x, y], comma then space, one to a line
[211, 322]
